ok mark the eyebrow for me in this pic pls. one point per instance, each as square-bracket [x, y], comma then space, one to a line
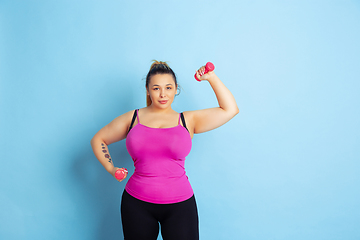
[159, 85]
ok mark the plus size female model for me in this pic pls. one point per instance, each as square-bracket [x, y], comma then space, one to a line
[158, 140]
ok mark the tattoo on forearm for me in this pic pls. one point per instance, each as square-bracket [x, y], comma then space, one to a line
[106, 154]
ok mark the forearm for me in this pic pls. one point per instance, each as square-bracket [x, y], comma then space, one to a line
[101, 152]
[225, 98]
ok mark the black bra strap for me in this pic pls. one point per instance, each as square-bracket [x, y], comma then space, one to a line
[183, 121]
[133, 120]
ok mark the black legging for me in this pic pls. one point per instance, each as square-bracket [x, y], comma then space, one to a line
[140, 220]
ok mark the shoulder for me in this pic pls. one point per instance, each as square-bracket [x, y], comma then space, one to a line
[117, 129]
[189, 114]
[124, 118]
[128, 114]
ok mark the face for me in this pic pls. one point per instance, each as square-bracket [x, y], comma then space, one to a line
[162, 90]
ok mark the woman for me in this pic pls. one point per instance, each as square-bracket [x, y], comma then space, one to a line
[158, 140]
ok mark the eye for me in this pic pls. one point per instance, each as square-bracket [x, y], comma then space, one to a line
[169, 88]
[155, 88]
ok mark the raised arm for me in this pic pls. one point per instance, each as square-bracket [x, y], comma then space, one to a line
[115, 131]
[207, 119]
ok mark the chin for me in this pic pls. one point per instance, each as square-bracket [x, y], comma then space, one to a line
[168, 104]
[164, 105]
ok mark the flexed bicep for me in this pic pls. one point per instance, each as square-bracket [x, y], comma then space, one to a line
[211, 118]
[208, 119]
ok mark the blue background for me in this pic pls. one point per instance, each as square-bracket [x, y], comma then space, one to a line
[286, 167]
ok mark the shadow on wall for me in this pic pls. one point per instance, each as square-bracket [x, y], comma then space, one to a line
[99, 194]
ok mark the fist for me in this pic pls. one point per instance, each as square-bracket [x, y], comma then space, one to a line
[204, 72]
[120, 174]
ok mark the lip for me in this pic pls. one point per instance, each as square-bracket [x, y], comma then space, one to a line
[163, 102]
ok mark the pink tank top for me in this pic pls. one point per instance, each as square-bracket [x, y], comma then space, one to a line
[159, 160]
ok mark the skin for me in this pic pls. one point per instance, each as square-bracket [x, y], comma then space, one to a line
[160, 115]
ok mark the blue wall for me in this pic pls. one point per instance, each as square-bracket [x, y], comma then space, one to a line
[286, 167]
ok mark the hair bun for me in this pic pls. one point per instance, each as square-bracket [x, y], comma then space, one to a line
[159, 64]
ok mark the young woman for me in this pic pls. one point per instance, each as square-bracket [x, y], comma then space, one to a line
[158, 140]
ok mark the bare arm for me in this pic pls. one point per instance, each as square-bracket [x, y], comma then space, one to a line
[115, 131]
[207, 119]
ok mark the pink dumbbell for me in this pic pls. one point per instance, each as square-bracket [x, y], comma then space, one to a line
[208, 68]
[120, 173]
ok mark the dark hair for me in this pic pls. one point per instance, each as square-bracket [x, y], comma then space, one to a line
[158, 67]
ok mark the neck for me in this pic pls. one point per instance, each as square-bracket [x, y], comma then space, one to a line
[160, 110]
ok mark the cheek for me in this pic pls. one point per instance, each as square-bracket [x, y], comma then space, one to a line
[171, 95]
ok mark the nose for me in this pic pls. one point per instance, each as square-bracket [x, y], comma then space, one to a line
[162, 93]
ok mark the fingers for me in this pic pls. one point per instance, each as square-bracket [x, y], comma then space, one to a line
[198, 75]
[120, 180]
[125, 172]
[200, 72]
[124, 176]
